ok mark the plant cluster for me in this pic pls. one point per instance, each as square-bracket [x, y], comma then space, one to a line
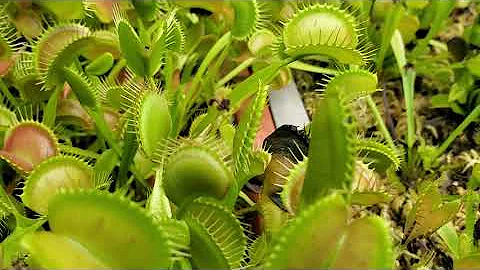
[119, 148]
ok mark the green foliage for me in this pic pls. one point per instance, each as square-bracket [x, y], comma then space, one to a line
[143, 109]
[429, 213]
[330, 167]
[383, 156]
[52, 175]
[352, 84]
[82, 87]
[101, 65]
[57, 48]
[152, 121]
[125, 236]
[131, 47]
[195, 168]
[245, 135]
[343, 244]
[217, 238]
[338, 36]
[20, 154]
[64, 12]
[249, 17]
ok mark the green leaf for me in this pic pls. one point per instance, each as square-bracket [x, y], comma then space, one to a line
[157, 55]
[383, 156]
[441, 10]
[247, 131]
[330, 157]
[59, 47]
[106, 162]
[248, 18]
[448, 233]
[100, 65]
[429, 213]
[153, 121]
[474, 180]
[471, 203]
[391, 22]
[367, 245]
[132, 48]
[217, 239]
[460, 89]
[473, 65]
[352, 84]
[52, 175]
[57, 251]
[310, 232]
[171, 37]
[82, 87]
[194, 168]
[399, 51]
[368, 198]
[292, 188]
[117, 232]
[322, 29]
[258, 251]
[408, 83]
[158, 204]
[440, 101]
[249, 86]
[146, 8]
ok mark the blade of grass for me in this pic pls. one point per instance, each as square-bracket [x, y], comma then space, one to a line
[380, 123]
[389, 25]
[391, 22]
[408, 82]
[454, 134]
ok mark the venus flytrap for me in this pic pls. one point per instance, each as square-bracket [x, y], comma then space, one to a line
[9, 41]
[87, 94]
[195, 167]
[282, 181]
[22, 155]
[100, 65]
[52, 175]
[27, 80]
[429, 213]
[301, 185]
[145, 246]
[26, 19]
[311, 193]
[463, 246]
[217, 237]
[336, 253]
[151, 118]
